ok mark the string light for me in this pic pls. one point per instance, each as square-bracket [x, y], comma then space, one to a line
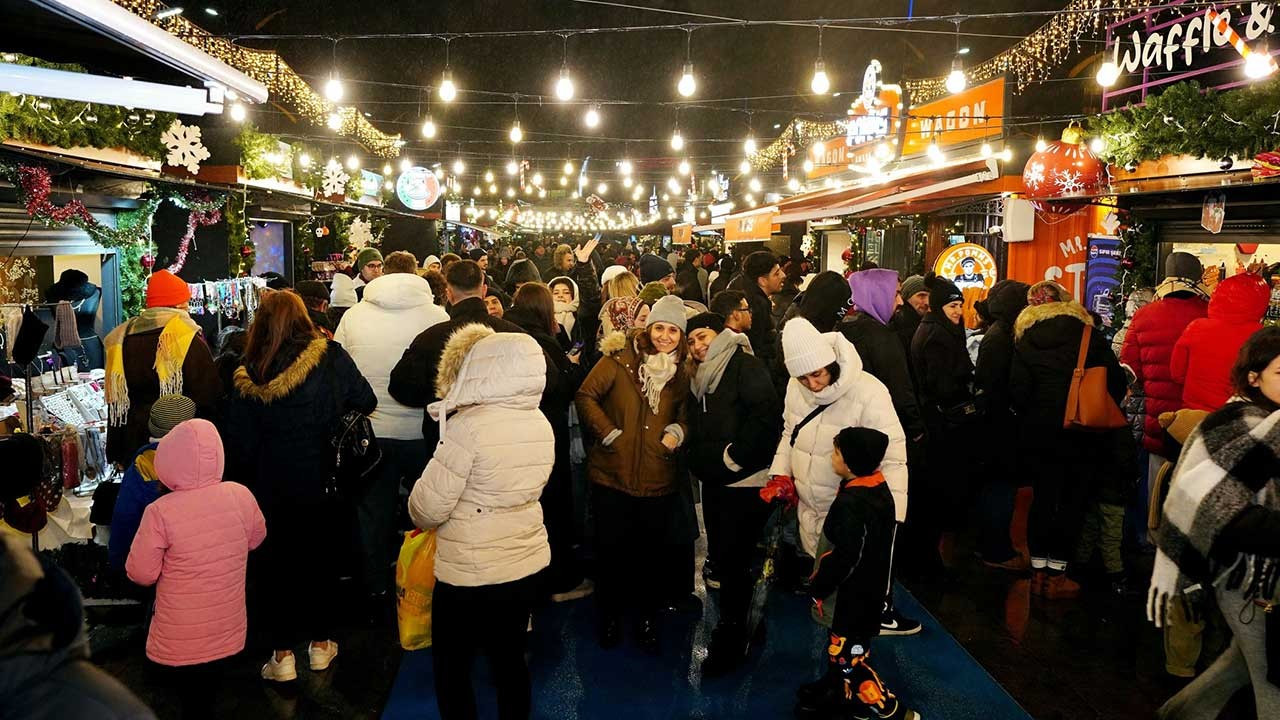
[564, 181]
[493, 189]
[808, 166]
[1108, 73]
[749, 145]
[405, 164]
[626, 181]
[447, 90]
[511, 192]
[488, 176]
[592, 118]
[1041, 145]
[793, 185]
[677, 140]
[754, 184]
[335, 121]
[564, 85]
[684, 167]
[537, 179]
[1259, 63]
[459, 167]
[1006, 155]
[568, 168]
[476, 191]
[304, 160]
[935, 151]
[985, 151]
[624, 167]
[820, 84]
[238, 112]
[516, 133]
[386, 169]
[333, 90]
[956, 81]
[513, 167]
[744, 167]
[428, 128]
[602, 189]
[353, 162]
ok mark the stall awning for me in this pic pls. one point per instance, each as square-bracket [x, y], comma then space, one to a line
[755, 224]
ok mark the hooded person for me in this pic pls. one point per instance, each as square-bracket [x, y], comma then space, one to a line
[564, 292]
[480, 493]
[45, 672]
[160, 352]
[431, 263]
[735, 421]
[720, 278]
[875, 299]
[193, 545]
[1203, 356]
[397, 307]
[342, 296]
[522, 271]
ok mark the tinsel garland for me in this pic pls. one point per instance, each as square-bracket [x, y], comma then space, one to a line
[196, 218]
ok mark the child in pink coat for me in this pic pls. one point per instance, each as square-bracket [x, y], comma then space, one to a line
[194, 544]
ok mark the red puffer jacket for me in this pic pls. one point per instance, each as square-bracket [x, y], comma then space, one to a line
[1148, 347]
[1203, 357]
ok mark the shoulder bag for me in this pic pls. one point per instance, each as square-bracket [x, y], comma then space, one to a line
[1089, 405]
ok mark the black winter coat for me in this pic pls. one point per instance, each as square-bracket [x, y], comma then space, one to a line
[904, 323]
[277, 429]
[882, 356]
[763, 337]
[858, 531]
[943, 368]
[555, 404]
[744, 414]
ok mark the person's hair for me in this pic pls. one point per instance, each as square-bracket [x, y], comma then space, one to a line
[558, 254]
[1257, 353]
[400, 261]
[566, 282]
[624, 284]
[522, 271]
[435, 279]
[758, 264]
[536, 298]
[693, 256]
[726, 302]
[281, 329]
[448, 259]
[834, 370]
[644, 345]
[464, 276]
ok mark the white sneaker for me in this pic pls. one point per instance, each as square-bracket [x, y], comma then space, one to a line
[280, 671]
[320, 659]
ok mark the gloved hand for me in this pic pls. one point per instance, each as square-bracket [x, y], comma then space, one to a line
[1165, 580]
[780, 488]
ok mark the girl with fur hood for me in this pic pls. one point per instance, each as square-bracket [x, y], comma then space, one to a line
[480, 492]
[634, 403]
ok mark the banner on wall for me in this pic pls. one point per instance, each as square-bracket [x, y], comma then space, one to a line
[1059, 250]
[1102, 275]
[973, 269]
[681, 234]
[752, 225]
[967, 116]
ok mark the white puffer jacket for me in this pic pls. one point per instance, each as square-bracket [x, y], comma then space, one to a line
[376, 332]
[481, 488]
[856, 399]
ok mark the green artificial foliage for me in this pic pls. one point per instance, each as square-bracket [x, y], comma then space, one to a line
[133, 279]
[68, 123]
[254, 148]
[238, 263]
[1187, 120]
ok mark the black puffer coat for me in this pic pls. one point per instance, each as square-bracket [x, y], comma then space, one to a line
[995, 354]
[882, 356]
[942, 364]
[744, 414]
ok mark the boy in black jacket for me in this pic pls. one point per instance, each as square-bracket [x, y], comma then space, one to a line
[853, 559]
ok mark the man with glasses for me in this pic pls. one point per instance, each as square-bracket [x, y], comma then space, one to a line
[732, 305]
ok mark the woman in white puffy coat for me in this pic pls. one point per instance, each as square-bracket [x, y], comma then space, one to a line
[826, 372]
[481, 492]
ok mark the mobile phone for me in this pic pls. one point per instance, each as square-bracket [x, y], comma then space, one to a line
[577, 347]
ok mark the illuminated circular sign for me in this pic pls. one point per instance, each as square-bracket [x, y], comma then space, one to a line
[418, 188]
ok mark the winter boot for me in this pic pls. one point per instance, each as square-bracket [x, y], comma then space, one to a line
[727, 650]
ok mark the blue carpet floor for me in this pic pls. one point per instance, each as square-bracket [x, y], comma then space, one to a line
[574, 679]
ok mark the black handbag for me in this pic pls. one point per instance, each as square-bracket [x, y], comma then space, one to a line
[356, 454]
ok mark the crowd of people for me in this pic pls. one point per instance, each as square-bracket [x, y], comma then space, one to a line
[557, 436]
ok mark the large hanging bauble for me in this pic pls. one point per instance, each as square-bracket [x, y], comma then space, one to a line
[148, 261]
[1066, 168]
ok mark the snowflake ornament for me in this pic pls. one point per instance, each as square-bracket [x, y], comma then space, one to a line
[185, 147]
[1034, 175]
[334, 181]
[1068, 182]
[360, 234]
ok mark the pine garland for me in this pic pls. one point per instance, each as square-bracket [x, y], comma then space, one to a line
[239, 262]
[1187, 120]
[254, 148]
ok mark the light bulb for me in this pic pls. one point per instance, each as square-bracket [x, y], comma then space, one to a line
[793, 185]
[819, 148]
[438, 172]
[684, 167]
[542, 193]
[537, 179]
[459, 167]
[1097, 145]
[428, 128]
[1041, 145]
[754, 184]
[448, 91]
[564, 181]
[388, 185]
[820, 84]
[808, 166]
[1259, 63]
[673, 184]
[335, 121]
[304, 160]
[884, 153]
[386, 169]
[513, 168]
[238, 112]
[986, 150]
[687, 84]
[624, 167]
[602, 189]
[511, 192]
[353, 162]
[564, 86]
[677, 140]
[592, 118]
[568, 168]
[1006, 154]
[476, 191]
[516, 133]
[744, 167]
[956, 81]
[749, 146]
[493, 189]
[934, 151]
[626, 181]
[333, 89]
[1108, 74]
[405, 164]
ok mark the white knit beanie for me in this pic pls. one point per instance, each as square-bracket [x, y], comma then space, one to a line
[804, 348]
[610, 273]
[668, 309]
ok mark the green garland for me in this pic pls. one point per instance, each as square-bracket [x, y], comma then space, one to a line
[254, 148]
[133, 279]
[238, 262]
[69, 123]
[1186, 120]
[1138, 250]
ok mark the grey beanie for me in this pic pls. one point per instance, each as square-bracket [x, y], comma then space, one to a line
[669, 309]
[912, 285]
[1183, 265]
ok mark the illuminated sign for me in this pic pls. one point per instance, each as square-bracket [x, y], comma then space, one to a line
[417, 188]
[973, 114]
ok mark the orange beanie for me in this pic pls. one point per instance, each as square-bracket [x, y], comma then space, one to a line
[164, 289]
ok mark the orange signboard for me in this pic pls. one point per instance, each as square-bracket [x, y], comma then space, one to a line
[756, 225]
[1060, 250]
[974, 114]
[682, 234]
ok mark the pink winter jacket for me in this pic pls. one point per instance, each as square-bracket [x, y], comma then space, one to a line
[194, 545]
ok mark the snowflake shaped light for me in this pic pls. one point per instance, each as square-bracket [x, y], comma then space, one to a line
[1068, 182]
[334, 181]
[360, 234]
[185, 147]
[1034, 175]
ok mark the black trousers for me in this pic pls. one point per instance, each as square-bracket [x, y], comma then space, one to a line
[1060, 480]
[402, 464]
[641, 546]
[487, 620]
[738, 516]
[196, 686]
[711, 516]
[300, 569]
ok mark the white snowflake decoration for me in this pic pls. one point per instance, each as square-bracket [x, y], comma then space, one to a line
[1068, 182]
[1034, 175]
[185, 148]
[335, 181]
[360, 234]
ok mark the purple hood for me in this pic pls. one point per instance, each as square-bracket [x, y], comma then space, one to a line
[875, 292]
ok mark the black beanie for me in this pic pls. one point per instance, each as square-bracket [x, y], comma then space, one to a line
[653, 268]
[941, 292]
[862, 449]
[826, 300]
[477, 253]
[715, 321]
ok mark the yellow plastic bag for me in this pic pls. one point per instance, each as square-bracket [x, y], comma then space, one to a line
[415, 580]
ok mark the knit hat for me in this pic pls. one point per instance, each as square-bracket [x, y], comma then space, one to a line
[941, 292]
[912, 285]
[1006, 299]
[164, 289]
[653, 268]
[653, 292]
[477, 253]
[621, 312]
[714, 321]
[610, 273]
[167, 412]
[430, 259]
[862, 449]
[522, 271]
[275, 280]
[366, 256]
[312, 290]
[668, 309]
[1183, 273]
[804, 348]
[1047, 291]
[826, 300]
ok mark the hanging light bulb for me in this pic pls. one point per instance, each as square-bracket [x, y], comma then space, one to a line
[488, 176]
[677, 140]
[564, 181]
[1098, 145]
[304, 160]
[687, 85]
[405, 164]
[592, 118]
[1006, 154]
[335, 121]
[511, 192]
[353, 162]
[820, 83]
[935, 151]
[754, 184]
[744, 167]
[1041, 145]
[626, 181]
[568, 168]
[438, 172]
[808, 166]
[819, 148]
[1108, 73]
[513, 167]
[537, 179]
[1259, 63]
[476, 191]
[333, 90]
[493, 189]
[448, 91]
[684, 167]
[516, 133]
[673, 184]
[459, 167]
[793, 185]
[624, 167]
[564, 86]
[985, 150]
[428, 128]
[956, 81]
[602, 189]
[749, 146]
[238, 112]
[386, 169]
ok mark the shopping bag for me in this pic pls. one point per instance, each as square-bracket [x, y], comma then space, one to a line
[415, 580]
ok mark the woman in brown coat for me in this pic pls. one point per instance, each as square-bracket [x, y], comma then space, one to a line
[634, 404]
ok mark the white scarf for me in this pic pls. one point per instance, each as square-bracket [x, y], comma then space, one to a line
[567, 315]
[655, 372]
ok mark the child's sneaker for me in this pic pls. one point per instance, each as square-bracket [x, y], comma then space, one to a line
[1061, 587]
[282, 670]
[894, 623]
[320, 657]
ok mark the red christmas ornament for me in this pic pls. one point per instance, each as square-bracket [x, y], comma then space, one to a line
[246, 250]
[1126, 263]
[1066, 168]
[148, 261]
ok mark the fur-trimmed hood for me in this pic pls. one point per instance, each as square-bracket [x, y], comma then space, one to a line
[1039, 313]
[482, 367]
[286, 382]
